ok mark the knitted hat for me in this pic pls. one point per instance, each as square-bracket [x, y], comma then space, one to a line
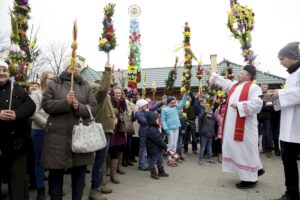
[169, 99]
[141, 102]
[3, 64]
[251, 70]
[291, 50]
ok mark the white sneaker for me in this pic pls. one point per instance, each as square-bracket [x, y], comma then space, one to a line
[211, 161]
[201, 162]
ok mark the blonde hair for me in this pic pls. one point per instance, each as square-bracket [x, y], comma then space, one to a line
[44, 80]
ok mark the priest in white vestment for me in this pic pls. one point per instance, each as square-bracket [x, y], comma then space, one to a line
[240, 135]
[288, 101]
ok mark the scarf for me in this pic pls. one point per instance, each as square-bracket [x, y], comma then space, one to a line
[240, 121]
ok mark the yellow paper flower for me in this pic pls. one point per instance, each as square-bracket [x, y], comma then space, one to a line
[182, 90]
[32, 44]
[187, 34]
[103, 41]
[106, 7]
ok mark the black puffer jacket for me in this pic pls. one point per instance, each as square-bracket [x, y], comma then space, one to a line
[154, 140]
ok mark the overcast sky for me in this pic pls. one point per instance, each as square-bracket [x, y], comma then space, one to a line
[161, 27]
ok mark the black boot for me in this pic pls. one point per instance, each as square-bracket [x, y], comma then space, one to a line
[261, 172]
[41, 194]
[154, 174]
[162, 173]
[246, 184]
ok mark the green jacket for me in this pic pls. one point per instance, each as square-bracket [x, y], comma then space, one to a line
[105, 113]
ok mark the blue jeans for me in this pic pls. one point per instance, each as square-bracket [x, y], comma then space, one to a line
[267, 143]
[180, 145]
[156, 159]
[205, 144]
[100, 159]
[56, 182]
[142, 151]
[37, 137]
[191, 132]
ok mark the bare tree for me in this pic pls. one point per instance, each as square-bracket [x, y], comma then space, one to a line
[55, 56]
[4, 44]
[38, 61]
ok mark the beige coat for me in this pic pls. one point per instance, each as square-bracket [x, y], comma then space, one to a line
[105, 113]
[39, 117]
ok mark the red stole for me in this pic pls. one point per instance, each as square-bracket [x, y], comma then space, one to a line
[240, 121]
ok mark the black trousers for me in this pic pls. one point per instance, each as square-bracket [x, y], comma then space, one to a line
[289, 152]
[16, 176]
[56, 182]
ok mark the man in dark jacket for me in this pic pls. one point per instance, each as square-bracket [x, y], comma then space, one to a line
[264, 123]
[13, 125]
[106, 116]
[191, 127]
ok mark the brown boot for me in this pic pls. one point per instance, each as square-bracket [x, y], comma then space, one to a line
[108, 163]
[154, 174]
[220, 158]
[120, 169]
[162, 173]
[113, 171]
[95, 194]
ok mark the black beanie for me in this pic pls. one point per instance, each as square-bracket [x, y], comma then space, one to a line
[291, 50]
[169, 99]
[251, 70]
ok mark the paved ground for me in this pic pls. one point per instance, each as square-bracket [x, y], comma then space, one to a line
[190, 181]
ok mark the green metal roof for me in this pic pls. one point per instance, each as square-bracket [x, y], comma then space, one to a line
[160, 74]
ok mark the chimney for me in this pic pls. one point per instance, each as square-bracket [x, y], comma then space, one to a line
[213, 61]
[81, 61]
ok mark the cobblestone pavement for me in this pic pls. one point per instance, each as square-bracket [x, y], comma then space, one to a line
[191, 181]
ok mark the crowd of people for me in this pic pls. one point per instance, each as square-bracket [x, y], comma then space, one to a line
[43, 115]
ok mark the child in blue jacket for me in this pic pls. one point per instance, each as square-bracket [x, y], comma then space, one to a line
[171, 123]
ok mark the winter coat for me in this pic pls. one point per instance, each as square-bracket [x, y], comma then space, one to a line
[191, 110]
[105, 113]
[170, 117]
[57, 152]
[199, 110]
[14, 134]
[119, 136]
[266, 111]
[154, 139]
[141, 117]
[39, 117]
[207, 125]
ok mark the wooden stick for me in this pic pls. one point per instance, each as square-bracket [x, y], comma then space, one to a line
[11, 91]
[73, 60]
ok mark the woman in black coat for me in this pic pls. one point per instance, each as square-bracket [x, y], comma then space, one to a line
[155, 145]
[13, 138]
